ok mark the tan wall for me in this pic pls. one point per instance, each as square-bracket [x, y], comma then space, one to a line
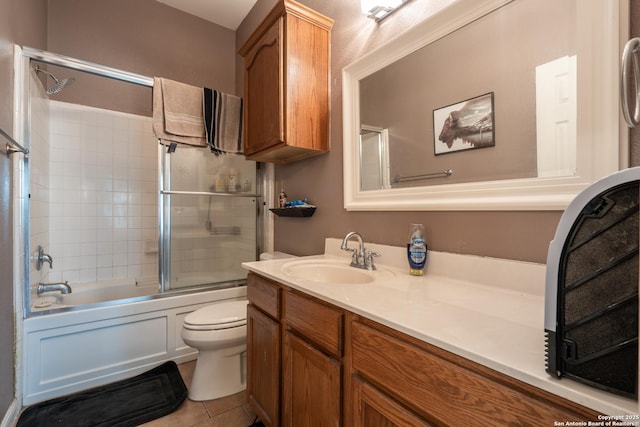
[144, 37]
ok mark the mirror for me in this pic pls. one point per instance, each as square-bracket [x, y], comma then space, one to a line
[461, 111]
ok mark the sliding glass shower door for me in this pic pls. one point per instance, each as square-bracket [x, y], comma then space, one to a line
[208, 217]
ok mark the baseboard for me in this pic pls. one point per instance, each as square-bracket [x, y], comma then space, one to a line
[11, 416]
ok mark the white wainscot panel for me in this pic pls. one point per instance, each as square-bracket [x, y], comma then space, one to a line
[76, 357]
[63, 356]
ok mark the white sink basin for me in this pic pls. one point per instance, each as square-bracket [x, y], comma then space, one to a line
[330, 271]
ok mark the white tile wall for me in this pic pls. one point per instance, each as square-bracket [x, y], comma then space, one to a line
[103, 194]
[94, 198]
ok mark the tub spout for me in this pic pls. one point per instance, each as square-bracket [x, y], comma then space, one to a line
[63, 287]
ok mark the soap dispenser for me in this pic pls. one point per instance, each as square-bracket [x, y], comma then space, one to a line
[416, 250]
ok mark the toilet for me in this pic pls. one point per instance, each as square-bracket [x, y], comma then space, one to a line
[219, 333]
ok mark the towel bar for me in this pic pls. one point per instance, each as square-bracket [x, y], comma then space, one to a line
[208, 193]
[13, 146]
[442, 174]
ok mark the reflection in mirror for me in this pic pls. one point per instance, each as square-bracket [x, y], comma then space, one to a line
[505, 83]
[374, 157]
[489, 90]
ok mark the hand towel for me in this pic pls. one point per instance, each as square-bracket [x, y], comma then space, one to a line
[177, 112]
[223, 114]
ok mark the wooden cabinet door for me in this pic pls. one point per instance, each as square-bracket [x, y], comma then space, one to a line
[263, 92]
[306, 96]
[372, 408]
[263, 366]
[312, 386]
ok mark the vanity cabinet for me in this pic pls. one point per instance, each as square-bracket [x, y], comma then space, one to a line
[263, 348]
[286, 85]
[339, 368]
[372, 408]
[312, 367]
[308, 333]
[399, 380]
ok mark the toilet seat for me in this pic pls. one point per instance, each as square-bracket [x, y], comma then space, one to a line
[223, 315]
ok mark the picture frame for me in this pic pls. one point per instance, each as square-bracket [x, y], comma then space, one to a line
[465, 125]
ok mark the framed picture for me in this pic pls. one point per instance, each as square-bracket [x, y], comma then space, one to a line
[464, 126]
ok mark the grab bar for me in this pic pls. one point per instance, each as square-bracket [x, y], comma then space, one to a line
[629, 55]
[443, 174]
[13, 146]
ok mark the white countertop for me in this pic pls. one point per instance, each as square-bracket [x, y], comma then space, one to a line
[488, 310]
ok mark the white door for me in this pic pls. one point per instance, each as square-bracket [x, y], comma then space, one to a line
[556, 117]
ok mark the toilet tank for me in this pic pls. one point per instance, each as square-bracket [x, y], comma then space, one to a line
[265, 256]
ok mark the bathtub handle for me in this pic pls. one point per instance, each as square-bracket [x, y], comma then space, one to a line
[40, 258]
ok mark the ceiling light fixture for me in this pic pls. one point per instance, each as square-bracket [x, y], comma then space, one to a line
[380, 9]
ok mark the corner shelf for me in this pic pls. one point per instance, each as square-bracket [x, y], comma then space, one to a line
[294, 211]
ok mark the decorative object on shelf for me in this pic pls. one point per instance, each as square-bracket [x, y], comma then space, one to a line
[282, 199]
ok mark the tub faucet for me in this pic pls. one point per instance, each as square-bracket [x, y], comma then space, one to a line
[361, 258]
[63, 287]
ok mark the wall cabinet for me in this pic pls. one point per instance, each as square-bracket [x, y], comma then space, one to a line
[286, 85]
[338, 368]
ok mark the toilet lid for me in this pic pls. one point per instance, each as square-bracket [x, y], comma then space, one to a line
[218, 316]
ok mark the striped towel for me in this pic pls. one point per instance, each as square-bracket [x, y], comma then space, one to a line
[223, 121]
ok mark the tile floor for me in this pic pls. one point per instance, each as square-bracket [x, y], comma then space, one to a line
[231, 411]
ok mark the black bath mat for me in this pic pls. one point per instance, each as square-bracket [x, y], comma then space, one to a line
[125, 403]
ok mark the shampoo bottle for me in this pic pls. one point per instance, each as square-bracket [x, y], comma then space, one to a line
[232, 183]
[416, 250]
[282, 199]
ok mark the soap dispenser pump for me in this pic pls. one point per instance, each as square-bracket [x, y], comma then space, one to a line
[416, 250]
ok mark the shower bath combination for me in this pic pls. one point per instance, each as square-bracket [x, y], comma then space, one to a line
[59, 85]
[167, 216]
[138, 266]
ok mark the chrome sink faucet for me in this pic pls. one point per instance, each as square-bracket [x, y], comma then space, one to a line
[63, 287]
[361, 257]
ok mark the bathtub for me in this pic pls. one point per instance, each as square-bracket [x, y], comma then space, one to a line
[98, 334]
[115, 292]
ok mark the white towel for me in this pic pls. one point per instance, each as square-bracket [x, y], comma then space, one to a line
[223, 115]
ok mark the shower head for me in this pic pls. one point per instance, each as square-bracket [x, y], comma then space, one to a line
[59, 84]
